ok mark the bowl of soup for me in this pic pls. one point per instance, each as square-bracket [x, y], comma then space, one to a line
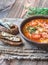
[35, 30]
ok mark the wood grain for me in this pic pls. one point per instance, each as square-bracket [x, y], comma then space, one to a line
[18, 9]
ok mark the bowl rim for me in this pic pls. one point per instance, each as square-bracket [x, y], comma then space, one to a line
[31, 18]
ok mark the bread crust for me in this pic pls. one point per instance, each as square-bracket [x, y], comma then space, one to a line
[11, 42]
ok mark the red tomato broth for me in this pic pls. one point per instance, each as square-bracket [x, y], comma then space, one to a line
[36, 30]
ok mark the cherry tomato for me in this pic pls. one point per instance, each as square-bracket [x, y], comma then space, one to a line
[36, 36]
[32, 23]
[44, 35]
[28, 35]
[46, 26]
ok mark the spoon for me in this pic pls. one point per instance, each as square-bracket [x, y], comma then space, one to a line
[4, 24]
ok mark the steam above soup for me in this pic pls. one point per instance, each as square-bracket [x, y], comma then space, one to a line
[36, 30]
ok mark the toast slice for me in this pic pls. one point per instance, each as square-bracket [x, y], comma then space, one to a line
[10, 39]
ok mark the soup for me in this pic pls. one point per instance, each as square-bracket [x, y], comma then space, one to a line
[36, 30]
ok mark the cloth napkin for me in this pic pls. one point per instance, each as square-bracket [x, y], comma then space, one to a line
[5, 6]
[6, 3]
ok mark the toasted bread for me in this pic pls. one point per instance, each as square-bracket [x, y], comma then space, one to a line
[10, 39]
[11, 42]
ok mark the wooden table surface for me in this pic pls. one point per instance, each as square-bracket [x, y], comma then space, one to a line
[18, 11]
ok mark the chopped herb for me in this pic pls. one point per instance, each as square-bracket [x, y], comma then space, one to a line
[31, 29]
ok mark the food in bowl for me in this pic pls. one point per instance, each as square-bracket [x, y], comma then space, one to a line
[36, 30]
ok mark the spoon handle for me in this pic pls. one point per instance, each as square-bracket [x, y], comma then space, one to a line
[6, 26]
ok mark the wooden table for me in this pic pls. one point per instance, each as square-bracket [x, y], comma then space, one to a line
[18, 11]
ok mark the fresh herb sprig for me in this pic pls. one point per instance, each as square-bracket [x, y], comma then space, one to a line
[36, 11]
